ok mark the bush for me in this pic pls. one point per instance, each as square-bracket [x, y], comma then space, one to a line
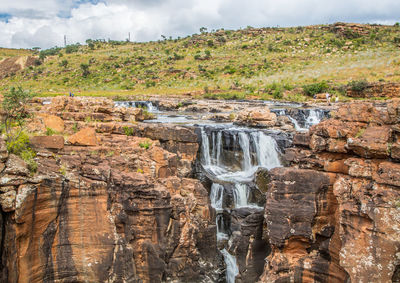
[20, 146]
[64, 63]
[313, 89]
[72, 48]
[128, 131]
[50, 132]
[85, 70]
[358, 85]
[145, 144]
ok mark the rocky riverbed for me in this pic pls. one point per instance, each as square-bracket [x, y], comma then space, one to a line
[204, 191]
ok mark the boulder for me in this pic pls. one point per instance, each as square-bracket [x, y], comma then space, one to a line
[53, 122]
[86, 137]
[50, 142]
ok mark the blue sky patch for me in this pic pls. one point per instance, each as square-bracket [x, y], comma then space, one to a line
[4, 17]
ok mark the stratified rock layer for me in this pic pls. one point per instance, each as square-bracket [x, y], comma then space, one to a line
[334, 216]
[120, 209]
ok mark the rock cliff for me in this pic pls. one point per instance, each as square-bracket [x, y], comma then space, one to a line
[113, 202]
[333, 216]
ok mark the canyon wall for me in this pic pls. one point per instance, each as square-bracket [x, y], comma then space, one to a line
[333, 216]
[115, 202]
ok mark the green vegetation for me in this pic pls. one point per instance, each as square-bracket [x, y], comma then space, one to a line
[128, 131]
[145, 144]
[14, 115]
[50, 132]
[358, 85]
[268, 63]
[315, 88]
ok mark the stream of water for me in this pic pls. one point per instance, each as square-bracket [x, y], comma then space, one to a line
[230, 158]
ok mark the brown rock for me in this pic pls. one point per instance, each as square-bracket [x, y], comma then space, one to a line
[368, 230]
[54, 122]
[16, 166]
[373, 142]
[7, 201]
[51, 142]
[86, 137]
[302, 139]
[388, 173]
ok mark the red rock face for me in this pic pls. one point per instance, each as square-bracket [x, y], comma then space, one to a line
[110, 211]
[338, 219]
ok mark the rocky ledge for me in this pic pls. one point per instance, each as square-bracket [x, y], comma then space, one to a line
[111, 201]
[333, 216]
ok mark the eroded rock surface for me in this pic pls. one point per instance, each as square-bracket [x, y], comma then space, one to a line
[106, 206]
[334, 216]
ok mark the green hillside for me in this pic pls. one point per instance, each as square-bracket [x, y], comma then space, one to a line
[264, 63]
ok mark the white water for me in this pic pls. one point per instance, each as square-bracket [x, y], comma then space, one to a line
[266, 150]
[217, 196]
[313, 118]
[296, 124]
[147, 104]
[256, 149]
[240, 195]
[232, 269]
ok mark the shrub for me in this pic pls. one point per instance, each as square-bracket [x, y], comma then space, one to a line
[20, 146]
[50, 132]
[312, 89]
[358, 85]
[64, 63]
[145, 144]
[72, 48]
[128, 131]
[85, 70]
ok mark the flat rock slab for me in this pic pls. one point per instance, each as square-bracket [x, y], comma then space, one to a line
[50, 142]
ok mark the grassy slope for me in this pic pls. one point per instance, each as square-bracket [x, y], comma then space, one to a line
[245, 62]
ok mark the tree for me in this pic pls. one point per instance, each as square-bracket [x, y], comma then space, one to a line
[85, 69]
[14, 111]
[203, 29]
[14, 115]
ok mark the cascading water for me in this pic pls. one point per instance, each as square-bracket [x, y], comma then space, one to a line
[138, 104]
[232, 269]
[231, 157]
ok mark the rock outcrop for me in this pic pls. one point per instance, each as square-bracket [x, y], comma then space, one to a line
[334, 215]
[120, 209]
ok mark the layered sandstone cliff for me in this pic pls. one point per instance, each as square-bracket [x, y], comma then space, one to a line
[105, 206]
[333, 216]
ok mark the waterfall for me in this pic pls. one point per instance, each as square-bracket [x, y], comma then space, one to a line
[240, 195]
[137, 104]
[313, 118]
[245, 146]
[205, 148]
[216, 196]
[266, 150]
[296, 124]
[232, 269]
[248, 148]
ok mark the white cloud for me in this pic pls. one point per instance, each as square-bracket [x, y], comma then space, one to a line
[44, 23]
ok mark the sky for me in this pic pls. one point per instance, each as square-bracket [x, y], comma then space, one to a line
[43, 23]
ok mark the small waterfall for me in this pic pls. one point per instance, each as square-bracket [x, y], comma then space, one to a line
[240, 195]
[313, 118]
[245, 146]
[219, 147]
[205, 148]
[137, 104]
[266, 150]
[232, 269]
[216, 196]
